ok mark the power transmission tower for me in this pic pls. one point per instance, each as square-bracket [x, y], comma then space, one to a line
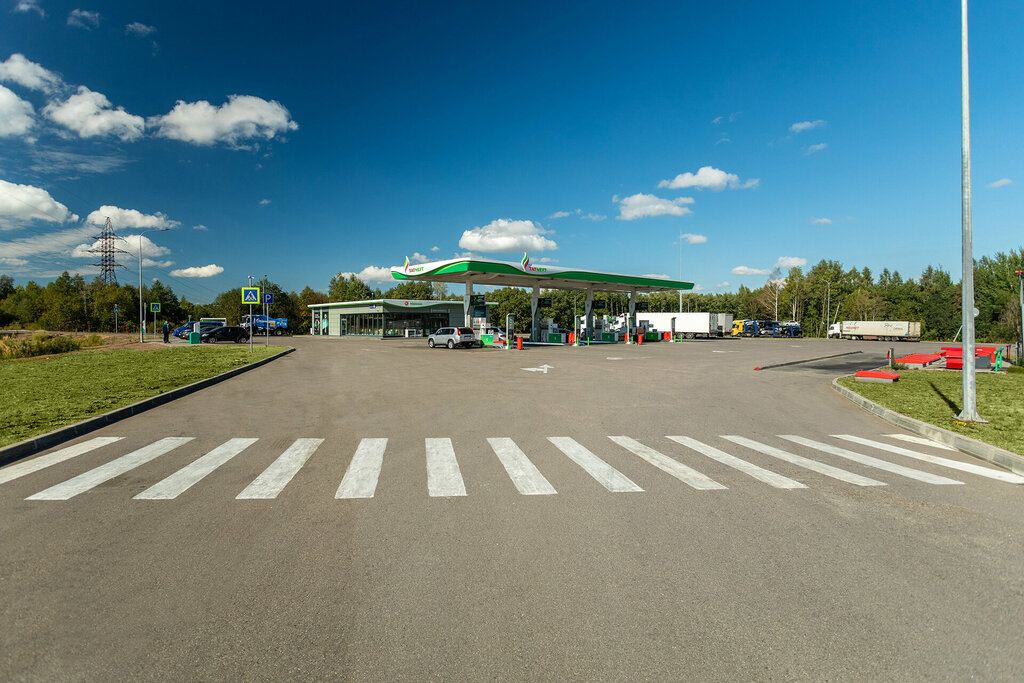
[106, 250]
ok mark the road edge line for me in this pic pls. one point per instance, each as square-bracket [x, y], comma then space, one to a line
[16, 451]
[1009, 460]
[806, 360]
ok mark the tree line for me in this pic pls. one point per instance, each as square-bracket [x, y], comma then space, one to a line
[823, 294]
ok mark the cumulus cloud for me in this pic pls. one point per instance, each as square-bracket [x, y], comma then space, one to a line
[787, 262]
[84, 19]
[1002, 182]
[26, 73]
[264, 201]
[710, 178]
[821, 221]
[130, 218]
[22, 204]
[815, 148]
[243, 117]
[507, 235]
[744, 270]
[801, 126]
[198, 271]
[641, 205]
[693, 239]
[372, 274]
[16, 115]
[419, 258]
[131, 244]
[29, 6]
[137, 28]
[200, 227]
[435, 248]
[722, 285]
[90, 115]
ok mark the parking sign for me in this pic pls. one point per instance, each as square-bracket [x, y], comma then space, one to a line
[268, 297]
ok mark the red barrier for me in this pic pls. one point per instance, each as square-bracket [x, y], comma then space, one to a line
[519, 343]
[666, 336]
[572, 337]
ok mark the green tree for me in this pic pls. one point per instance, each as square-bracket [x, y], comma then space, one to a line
[64, 305]
[305, 316]
[349, 288]
[511, 300]
[417, 290]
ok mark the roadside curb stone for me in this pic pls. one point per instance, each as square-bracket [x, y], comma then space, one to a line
[9, 454]
[993, 454]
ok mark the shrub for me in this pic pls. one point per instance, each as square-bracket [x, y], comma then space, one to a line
[41, 344]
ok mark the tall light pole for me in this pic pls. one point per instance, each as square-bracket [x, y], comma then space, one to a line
[969, 413]
[1020, 283]
[142, 313]
[680, 272]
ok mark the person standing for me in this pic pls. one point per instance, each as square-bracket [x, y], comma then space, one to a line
[167, 332]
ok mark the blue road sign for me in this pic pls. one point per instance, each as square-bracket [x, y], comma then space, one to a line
[268, 297]
[115, 308]
[250, 295]
[154, 308]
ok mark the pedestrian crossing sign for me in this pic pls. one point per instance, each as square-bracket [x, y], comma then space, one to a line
[250, 295]
[154, 308]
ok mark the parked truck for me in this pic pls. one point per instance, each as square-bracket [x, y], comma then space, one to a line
[687, 325]
[265, 325]
[883, 330]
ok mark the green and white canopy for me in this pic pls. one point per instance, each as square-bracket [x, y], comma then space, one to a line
[480, 271]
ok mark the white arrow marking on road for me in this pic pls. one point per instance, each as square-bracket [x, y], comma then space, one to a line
[544, 368]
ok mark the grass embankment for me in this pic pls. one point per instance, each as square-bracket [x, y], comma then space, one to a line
[43, 394]
[934, 396]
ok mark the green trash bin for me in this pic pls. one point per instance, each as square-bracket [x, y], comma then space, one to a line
[193, 338]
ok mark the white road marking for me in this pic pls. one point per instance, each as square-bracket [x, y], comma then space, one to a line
[945, 462]
[360, 480]
[926, 477]
[921, 441]
[544, 368]
[182, 480]
[814, 465]
[614, 358]
[114, 468]
[20, 469]
[444, 479]
[759, 473]
[273, 479]
[687, 475]
[606, 475]
[523, 473]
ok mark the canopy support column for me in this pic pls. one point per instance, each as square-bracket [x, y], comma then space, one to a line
[467, 306]
[588, 312]
[534, 311]
[631, 318]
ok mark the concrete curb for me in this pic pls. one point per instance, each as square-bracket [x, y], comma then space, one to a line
[806, 360]
[21, 449]
[993, 454]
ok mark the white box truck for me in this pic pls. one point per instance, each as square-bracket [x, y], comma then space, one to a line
[883, 330]
[689, 325]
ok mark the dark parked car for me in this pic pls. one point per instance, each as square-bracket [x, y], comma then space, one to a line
[239, 335]
[183, 331]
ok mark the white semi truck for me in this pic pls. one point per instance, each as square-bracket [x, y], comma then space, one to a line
[687, 325]
[882, 330]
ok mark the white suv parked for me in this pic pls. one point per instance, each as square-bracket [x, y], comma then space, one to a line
[452, 337]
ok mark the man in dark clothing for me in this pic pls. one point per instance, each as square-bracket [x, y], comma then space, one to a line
[167, 332]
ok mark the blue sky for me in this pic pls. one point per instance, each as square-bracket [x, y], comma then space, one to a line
[309, 140]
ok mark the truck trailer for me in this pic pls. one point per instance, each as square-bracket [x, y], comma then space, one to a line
[687, 325]
[275, 326]
[882, 330]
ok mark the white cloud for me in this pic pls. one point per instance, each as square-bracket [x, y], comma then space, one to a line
[801, 126]
[137, 28]
[547, 259]
[821, 221]
[89, 114]
[744, 270]
[198, 271]
[131, 244]
[61, 242]
[264, 201]
[1002, 182]
[435, 249]
[722, 285]
[372, 274]
[29, 6]
[699, 288]
[593, 217]
[563, 214]
[21, 204]
[723, 141]
[417, 257]
[717, 120]
[660, 276]
[507, 235]
[787, 262]
[693, 239]
[55, 162]
[200, 227]
[11, 261]
[815, 148]
[15, 115]
[84, 19]
[243, 117]
[18, 69]
[640, 205]
[710, 178]
[130, 218]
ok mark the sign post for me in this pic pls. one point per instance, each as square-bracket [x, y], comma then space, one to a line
[251, 296]
[268, 298]
[115, 318]
[154, 308]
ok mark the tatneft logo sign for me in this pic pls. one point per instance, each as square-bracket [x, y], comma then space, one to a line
[409, 268]
[531, 269]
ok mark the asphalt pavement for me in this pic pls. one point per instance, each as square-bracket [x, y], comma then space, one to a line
[376, 510]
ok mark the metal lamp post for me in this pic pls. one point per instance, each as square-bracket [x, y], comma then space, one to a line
[1020, 283]
[142, 313]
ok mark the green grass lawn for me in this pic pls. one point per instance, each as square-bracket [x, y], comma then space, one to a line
[43, 394]
[934, 396]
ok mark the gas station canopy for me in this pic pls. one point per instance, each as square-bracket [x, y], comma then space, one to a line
[479, 271]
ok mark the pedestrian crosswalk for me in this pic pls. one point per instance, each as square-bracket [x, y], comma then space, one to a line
[671, 455]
